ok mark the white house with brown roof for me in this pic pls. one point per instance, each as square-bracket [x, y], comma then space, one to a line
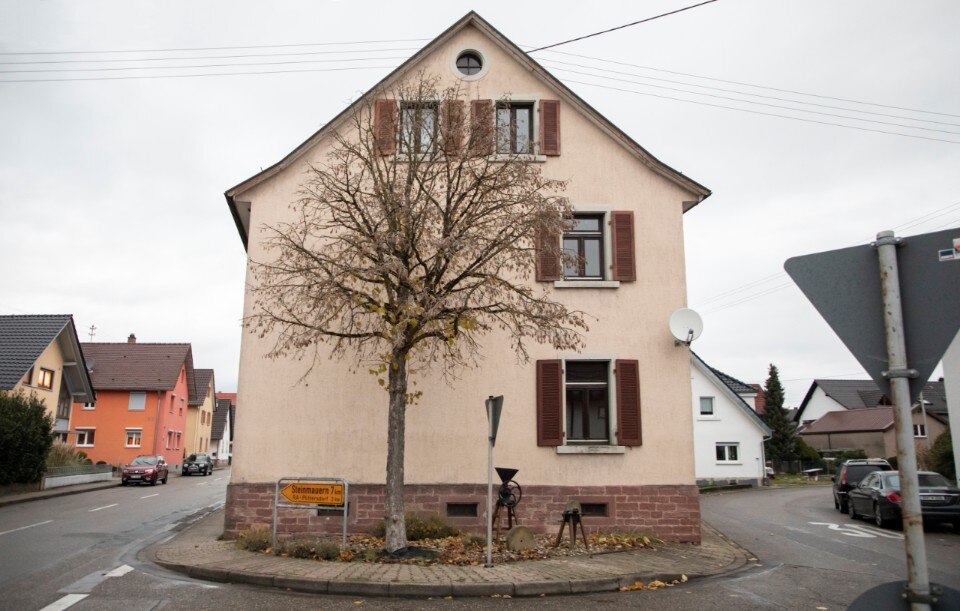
[609, 425]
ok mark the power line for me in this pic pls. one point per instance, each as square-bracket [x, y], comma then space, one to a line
[740, 92]
[203, 57]
[722, 97]
[164, 76]
[166, 50]
[620, 27]
[244, 64]
[768, 114]
[719, 80]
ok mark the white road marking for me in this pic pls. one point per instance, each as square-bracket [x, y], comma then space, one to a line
[202, 484]
[105, 507]
[65, 603]
[150, 495]
[120, 571]
[878, 532]
[846, 530]
[218, 479]
[13, 530]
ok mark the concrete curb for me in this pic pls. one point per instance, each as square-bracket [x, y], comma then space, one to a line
[611, 582]
[41, 495]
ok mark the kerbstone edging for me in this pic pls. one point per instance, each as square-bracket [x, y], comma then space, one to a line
[200, 557]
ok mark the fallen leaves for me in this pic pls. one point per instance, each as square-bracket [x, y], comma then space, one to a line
[653, 585]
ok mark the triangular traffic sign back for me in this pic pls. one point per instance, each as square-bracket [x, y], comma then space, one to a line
[844, 286]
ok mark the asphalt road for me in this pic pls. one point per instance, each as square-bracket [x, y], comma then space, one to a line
[802, 561]
[49, 547]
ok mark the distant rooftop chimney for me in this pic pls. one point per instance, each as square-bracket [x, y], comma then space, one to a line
[132, 339]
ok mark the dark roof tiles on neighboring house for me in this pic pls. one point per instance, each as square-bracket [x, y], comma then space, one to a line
[126, 366]
[23, 338]
[201, 380]
[856, 420]
[220, 415]
[741, 388]
[865, 394]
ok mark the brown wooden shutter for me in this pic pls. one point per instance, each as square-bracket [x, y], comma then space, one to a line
[385, 126]
[547, 245]
[549, 403]
[481, 127]
[624, 264]
[550, 127]
[451, 126]
[627, 374]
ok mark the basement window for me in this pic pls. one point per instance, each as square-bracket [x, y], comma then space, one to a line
[593, 510]
[462, 510]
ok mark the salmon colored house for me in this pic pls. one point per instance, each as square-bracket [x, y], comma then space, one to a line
[142, 396]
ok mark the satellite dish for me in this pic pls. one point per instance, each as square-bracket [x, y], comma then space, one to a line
[686, 326]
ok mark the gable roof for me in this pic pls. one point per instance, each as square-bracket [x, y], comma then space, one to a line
[201, 382]
[865, 394]
[857, 421]
[718, 378]
[220, 415]
[472, 18]
[125, 366]
[741, 388]
[23, 338]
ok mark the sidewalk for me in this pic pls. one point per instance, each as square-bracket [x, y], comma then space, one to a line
[36, 495]
[197, 552]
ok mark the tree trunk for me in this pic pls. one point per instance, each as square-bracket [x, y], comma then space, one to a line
[396, 537]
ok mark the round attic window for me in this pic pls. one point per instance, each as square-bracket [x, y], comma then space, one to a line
[469, 63]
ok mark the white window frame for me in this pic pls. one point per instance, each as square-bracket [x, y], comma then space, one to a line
[605, 282]
[920, 431]
[610, 447]
[713, 408]
[53, 379]
[726, 445]
[139, 433]
[88, 406]
[85, 430]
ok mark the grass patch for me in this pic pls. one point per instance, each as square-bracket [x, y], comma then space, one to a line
[420, 528]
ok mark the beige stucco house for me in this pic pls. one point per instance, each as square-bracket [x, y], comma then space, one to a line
[200, 410]
[610, 425]
[870, 430]
[40, 355]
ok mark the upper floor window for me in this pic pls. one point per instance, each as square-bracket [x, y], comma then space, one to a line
[469, 63]
[919, 430]
[587, 401]
[514, 128]
[706, 406]
[45, 379]
[85, 437]
[418, 127]
[89, 406]
[28, 377]
[583, 247]
[181, 406]
[138, 401]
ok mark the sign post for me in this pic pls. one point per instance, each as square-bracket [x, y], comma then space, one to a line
[312, 493]
[494, 407]
[899, 376]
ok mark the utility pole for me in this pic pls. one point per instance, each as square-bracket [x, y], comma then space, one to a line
[92, 331]
[898, 374]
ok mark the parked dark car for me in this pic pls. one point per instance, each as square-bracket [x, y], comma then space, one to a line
[145, 469]
[197, 464]
[850, 474]
[878, 496]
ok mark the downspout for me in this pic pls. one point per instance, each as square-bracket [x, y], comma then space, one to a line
[156, 426]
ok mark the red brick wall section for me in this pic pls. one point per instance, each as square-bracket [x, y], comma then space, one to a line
[671, 513]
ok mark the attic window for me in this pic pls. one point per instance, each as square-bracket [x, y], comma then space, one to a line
[469, 63]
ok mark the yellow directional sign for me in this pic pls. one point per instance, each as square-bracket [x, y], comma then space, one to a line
[314, 493]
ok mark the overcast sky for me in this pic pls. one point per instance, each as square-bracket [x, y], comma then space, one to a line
[111, 187]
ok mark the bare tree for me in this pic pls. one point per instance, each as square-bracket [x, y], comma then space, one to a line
[409, 243]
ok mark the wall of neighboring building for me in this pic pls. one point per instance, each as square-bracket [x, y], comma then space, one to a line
[728, 425]
[198, 424]
[310, 427]
[51, 358]
[818, 405]
[933, 430]
[871, 442]
[951, 382]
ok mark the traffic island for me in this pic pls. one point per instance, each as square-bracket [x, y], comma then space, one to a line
[198, 552]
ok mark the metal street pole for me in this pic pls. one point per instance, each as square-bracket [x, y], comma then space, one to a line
[898, 374]
[489, 483]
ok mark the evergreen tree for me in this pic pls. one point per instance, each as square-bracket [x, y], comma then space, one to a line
[783, 443]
